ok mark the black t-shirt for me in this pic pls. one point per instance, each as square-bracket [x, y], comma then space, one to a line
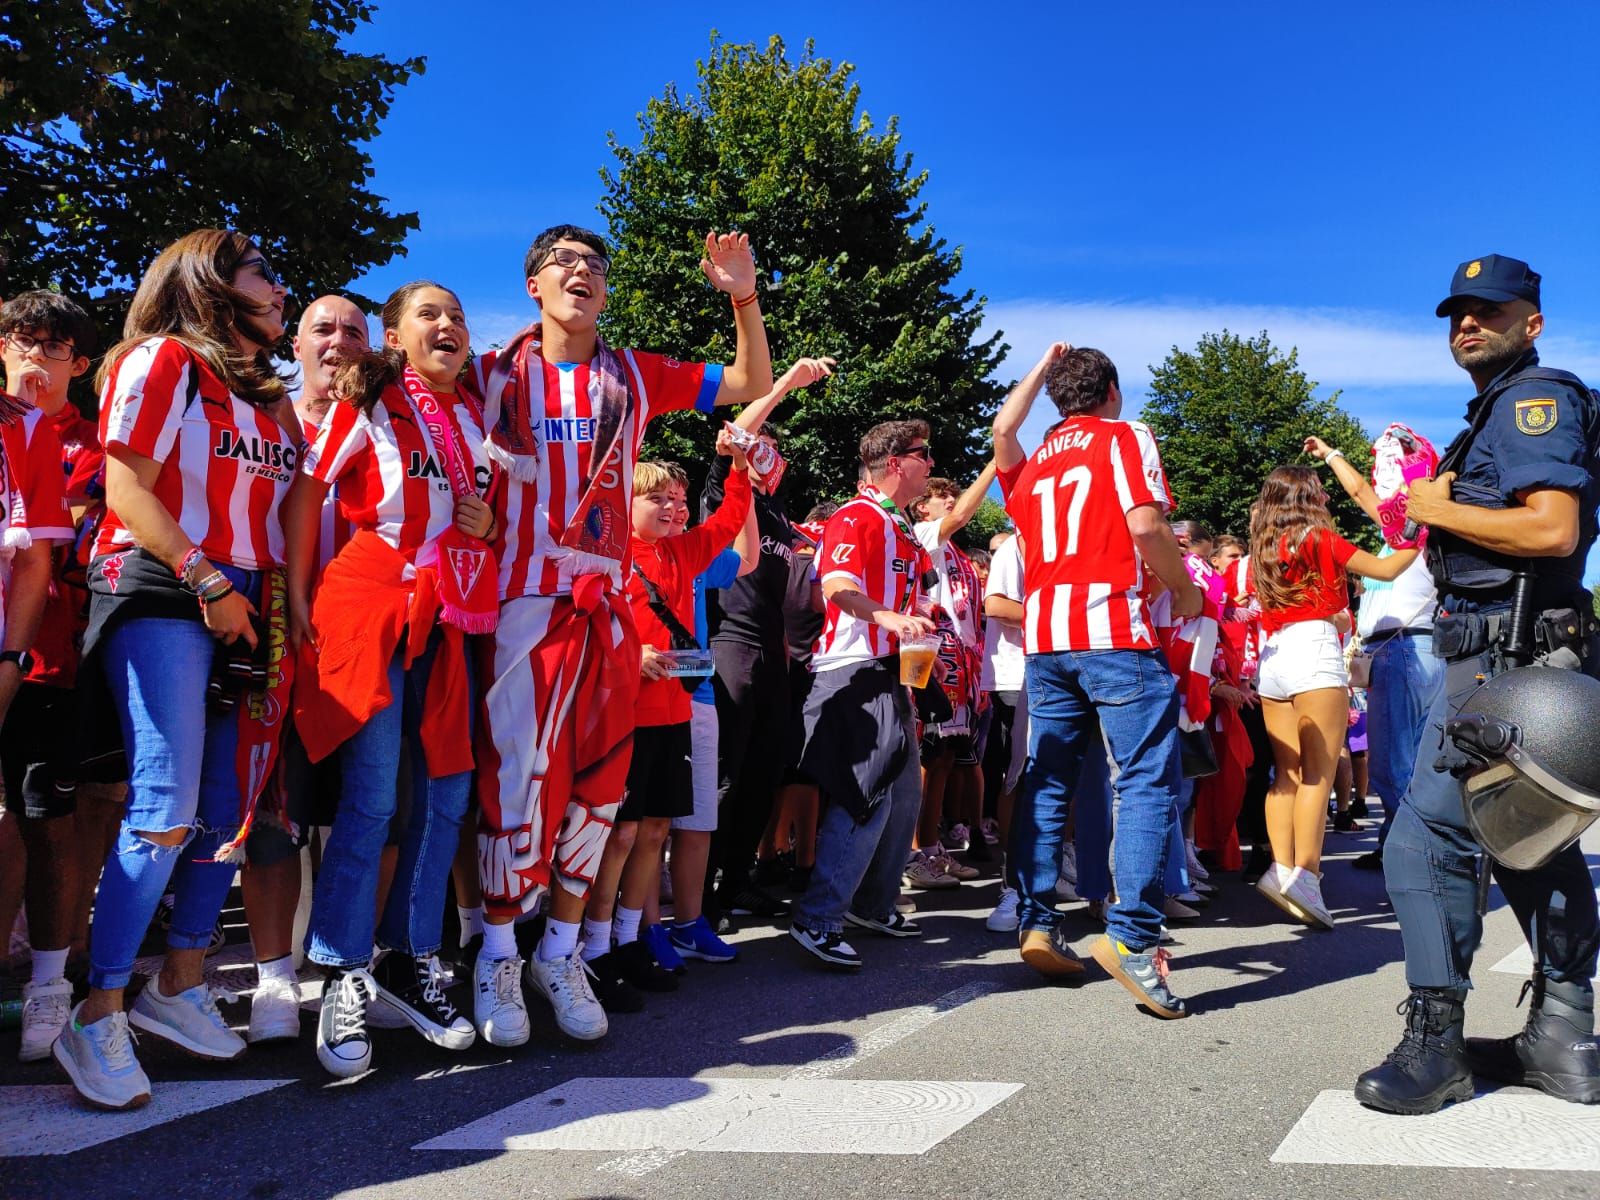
[802, 624]
[751, 610]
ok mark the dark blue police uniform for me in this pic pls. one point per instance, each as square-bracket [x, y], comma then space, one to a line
[1531, 428]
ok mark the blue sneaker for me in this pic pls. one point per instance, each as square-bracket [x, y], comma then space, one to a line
[661, 948]
[698, 940]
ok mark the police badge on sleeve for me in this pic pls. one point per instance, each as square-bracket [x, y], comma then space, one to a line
[1534, 417]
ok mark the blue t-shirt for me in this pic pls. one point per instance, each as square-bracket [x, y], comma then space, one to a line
[724, 569]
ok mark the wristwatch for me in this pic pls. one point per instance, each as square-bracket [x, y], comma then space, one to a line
[22, 658]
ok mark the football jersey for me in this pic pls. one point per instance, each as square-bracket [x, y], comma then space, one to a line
[30, 489]
[879, 555]
[390, 478]
[225, 464]
[1069, 500]
[66, 612]
[335, 529]
[533, 514]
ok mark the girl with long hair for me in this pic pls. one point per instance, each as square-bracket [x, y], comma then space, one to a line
[387, 675]
[1300, 565]
[200, 441]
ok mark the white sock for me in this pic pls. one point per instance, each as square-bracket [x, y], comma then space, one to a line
[626, 922]
[276, 968]
[49, 965]
[596, 939]
[499, 941]
[471, 922]
[559, 941]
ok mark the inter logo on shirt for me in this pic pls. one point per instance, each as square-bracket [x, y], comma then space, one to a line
[569, 429]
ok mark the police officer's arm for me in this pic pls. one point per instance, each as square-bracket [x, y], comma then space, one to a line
[1544, 524]
[1008, 451]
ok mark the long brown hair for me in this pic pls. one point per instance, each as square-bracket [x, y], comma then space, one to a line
[187, 294]
[1292, 504]
[362, 379]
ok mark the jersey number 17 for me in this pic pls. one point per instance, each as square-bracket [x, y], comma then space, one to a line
[1075, 481]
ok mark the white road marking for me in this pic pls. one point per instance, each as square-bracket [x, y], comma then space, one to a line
[49, 1118]
[881, 1038]
[653, 1118]
[1502, 1130]
[1520, 960]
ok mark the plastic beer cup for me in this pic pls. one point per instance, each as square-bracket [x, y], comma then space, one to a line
[916, 659]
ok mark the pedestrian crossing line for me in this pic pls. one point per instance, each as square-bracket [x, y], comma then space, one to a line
[1520, 960]
[1508, 1129]
[50, 1119]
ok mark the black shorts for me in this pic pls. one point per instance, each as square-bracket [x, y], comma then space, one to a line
[311, 795]
[661, 776]
[38, 752]
[957, 744]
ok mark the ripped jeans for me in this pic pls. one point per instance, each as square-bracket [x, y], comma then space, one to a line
[182, 775]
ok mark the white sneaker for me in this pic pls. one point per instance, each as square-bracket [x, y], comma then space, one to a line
[1065, 891]
[344, 1047]
[45, 1009]
[1271, 885]
[564, 982]
[498, 1007]
[1197, 869]
[1192, 898]
[275, 1011]
[189, 1020]
[960, 837]
[100, 1062]
[925, 873]
[1004, 917]
[1069, 863]
[1304, 890]
[1176, 910]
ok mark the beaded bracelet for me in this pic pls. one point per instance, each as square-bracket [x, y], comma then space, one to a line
[190, 561]
[213, 597]
[747, 301]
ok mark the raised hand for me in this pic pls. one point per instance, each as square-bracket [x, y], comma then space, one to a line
[729, 264]
[805, 372]
[1056, 350]
[1317, 448]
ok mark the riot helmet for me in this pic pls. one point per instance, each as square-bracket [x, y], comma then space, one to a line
[1532, 785]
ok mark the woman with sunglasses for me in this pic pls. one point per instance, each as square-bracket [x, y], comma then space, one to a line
[200, 440]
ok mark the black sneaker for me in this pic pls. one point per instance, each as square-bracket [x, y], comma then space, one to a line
[772, 872]
[1372, 860]
[1345, 823]
[831, 948]
[896, 924]
[753, 902]
[1358, 808]
[800, 880]
[616, 994]
[413, 990]
[638, 966]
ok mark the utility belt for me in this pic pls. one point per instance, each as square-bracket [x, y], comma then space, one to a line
[1562, 637]
[1383, 636]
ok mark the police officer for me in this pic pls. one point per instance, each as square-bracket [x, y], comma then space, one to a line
[1512, 515]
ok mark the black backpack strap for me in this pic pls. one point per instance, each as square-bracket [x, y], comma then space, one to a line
[682, 639]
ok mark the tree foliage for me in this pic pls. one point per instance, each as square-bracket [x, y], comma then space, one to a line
[777, 149]
[989, 520]
[127, 123]
[1229, 411]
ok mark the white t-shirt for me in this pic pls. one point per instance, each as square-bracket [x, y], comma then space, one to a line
[1407, 603]
[957, 586]
[1003, 659]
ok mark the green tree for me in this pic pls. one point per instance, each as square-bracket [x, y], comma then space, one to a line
[777, 149]
[127, 123]
[989, 520]
[1229, 411]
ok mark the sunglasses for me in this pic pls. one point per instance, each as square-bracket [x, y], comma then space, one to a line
[568, 258]
[923, 452]
[265, 271]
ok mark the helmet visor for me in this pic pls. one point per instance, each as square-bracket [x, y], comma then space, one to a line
[1520, 823]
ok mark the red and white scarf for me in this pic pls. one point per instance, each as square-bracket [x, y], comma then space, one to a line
[468, 575]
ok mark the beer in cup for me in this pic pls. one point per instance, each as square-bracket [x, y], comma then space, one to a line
[917, 653]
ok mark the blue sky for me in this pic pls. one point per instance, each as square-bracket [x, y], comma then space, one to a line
[1127, 176]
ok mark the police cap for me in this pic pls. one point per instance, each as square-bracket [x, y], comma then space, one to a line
[1492, 277]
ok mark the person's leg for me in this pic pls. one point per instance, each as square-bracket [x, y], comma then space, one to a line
[1344, 782]
[608, 879]
[271, 894]
[1091, 819]
[734, 687]
[464, 882]
[845, 849]
[1283, 731]
[99, 817]
[761, 770]
[1059, 725]
[36, 744]
[1320, 717]
[880, 883]
[1360, 778]
[641, 873]
[936, 768]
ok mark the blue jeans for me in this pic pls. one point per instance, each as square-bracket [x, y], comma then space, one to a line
[1131, 693]
[1091, 809]
[859, 866]
[341, 933]
[182, 775]
[1405, 679]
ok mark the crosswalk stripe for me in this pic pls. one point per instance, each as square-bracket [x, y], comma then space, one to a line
[1520, 960]
[1502, 1130]
[50, 1119]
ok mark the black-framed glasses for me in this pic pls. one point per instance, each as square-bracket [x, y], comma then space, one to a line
[923, 452]
[262, 267]
[53, 347]
[567, 258]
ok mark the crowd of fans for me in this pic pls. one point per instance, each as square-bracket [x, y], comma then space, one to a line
[434, 615]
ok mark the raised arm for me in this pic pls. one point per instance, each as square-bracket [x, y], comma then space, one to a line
[959, 517]
[731, 268]
[1353, 482]
[804, 373]
[1008, 451]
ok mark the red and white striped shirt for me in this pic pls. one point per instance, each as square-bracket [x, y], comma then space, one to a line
[30, 488]
[225, 464]
[533, 515]
[389, 477]
[1069, 501]
[335, 529]
[879, 555]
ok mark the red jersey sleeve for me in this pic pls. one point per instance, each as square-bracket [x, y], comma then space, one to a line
[667, 385]
[1136, 468]
[1008, 480]
[44, 507]
[1330, 552]
[698, 546]
[145, 398]
[341, 441]
[843, 553]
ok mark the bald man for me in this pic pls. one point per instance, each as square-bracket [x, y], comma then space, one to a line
[331, 330]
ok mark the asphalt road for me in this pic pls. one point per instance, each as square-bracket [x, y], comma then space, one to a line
[1102, 1100]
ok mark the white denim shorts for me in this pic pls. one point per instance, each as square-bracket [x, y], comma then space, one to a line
[1301, 657]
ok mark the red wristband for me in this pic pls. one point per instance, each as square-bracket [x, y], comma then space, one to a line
[747, 301]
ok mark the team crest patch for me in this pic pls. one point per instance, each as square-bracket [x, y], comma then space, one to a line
[1473, 268]
[1536, 416]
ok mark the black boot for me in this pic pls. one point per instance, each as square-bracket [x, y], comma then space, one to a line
[1428, 1069]
[1556, 1051]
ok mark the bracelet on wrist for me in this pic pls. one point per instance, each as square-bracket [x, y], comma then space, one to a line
[208, 583]
[213, 597]
[186, 568]
[747, 301]
[1331, 455]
